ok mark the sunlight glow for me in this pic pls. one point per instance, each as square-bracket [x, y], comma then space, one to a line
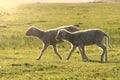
[66, 1]
[12, 3]
[7, 4]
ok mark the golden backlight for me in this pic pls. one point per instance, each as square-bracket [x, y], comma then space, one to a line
[7, 4]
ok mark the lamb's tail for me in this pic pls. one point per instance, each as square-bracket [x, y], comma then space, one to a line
[108, 40]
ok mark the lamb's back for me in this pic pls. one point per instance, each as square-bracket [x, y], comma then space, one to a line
[85, 37]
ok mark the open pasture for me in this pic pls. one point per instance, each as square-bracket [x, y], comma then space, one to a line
[18, 52]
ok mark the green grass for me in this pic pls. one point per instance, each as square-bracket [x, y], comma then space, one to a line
[18, 52]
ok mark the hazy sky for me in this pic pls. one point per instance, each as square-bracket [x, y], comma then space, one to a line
[24, 1]
[67, 0]
[10, 3]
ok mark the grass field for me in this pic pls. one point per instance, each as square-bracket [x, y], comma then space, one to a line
[18, 52]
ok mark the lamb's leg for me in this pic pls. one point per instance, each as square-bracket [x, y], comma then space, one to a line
[56, 51]
[72, 49]
[104, 53]
[43, 50]
[82, 50]
[106, 56]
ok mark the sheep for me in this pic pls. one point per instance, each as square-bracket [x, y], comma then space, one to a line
[81, 39]
[48, 37]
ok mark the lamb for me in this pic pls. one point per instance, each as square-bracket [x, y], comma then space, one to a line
[48, 37]
[81, 39]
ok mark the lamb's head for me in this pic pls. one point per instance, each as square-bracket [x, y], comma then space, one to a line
[61, 34]
[31, 31]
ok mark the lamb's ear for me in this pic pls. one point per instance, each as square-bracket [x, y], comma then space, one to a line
[58, 32]
[63, 33]
[34, 30]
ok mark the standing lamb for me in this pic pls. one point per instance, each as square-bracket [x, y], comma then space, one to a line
[49, 37]
[82, 38]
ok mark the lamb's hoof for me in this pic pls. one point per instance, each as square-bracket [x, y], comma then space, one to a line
[101, 62]
[85, 60]
[38, 59]
[67, 59]
[61, 58]
[106, 60]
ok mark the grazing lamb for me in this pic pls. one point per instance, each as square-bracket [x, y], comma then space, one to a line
[82, 38]
[48, 37]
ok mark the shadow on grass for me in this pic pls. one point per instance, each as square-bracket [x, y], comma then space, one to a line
[94, 61]
[5, 58]
[104, 62]
[13, 58]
